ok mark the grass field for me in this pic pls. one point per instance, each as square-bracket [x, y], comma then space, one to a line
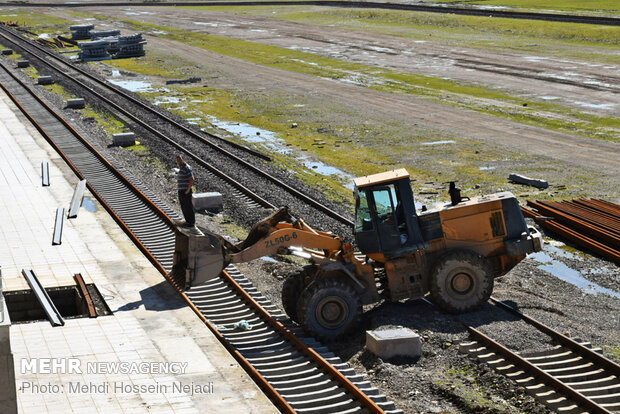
[573, 6]
[451, 92]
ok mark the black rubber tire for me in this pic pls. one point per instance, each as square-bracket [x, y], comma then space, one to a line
[329, 308]
[461, 281]
[293, 285]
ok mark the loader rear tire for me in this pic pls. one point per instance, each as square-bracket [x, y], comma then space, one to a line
[293, 285]
[461, 281]
[329, 308]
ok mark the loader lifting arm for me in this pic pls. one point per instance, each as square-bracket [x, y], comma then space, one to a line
[280, 231]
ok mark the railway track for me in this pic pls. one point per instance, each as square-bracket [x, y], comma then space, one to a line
[569, 378]
[298, 374]
[248, 180]
[468, 11]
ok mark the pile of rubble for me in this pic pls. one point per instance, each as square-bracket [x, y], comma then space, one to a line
[106, 44]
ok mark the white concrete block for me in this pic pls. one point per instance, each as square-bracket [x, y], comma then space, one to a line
[45, 80]
[394, 342]
[77, 103]
[207, 201]
[124, 139]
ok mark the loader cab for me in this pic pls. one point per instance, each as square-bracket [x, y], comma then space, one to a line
[385, 218]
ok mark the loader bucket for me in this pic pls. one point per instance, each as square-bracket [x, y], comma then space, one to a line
[198, 257]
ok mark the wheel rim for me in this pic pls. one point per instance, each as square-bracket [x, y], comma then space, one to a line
[462, 283]
[332, 311]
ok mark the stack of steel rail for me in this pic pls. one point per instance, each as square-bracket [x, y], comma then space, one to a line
[593, 224]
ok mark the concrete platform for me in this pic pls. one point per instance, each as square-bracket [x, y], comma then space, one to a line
[149, 324]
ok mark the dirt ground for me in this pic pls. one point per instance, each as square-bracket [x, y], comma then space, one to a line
[442, 380]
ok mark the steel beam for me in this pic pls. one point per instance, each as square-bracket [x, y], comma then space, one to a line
[45, 174]
[52, 313]
[76, 200]
[60, 217]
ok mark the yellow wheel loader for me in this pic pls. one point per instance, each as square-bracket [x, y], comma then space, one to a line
[454, 251]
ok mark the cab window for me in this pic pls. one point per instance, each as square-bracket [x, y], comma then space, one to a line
[363, 220]
[385, 205]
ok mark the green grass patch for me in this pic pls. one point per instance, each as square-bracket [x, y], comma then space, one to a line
[422, 23]
[610, 6]
[105, 120]
[525, 36]
[478, 98]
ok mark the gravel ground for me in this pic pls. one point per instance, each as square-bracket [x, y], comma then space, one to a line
[442, 380]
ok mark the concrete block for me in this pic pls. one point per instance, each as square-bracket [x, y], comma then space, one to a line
[7, 51]
[23, 63]
[534, 182]
[77, 103]
[394, 342]
[207, 201]
[124, 139]
[45, 80]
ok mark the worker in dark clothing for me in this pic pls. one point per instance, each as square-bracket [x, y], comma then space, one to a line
[185, 177]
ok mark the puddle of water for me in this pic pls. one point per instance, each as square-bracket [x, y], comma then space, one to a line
[447, 141]
[167, 99]
[549, 98]
[598, 106]
[534, 58]
[206, 24]
[304, 62]
[116, 73]
[269, 140]
[269, 259]
[572, 276]
[45, 35]
[132, 85]
[486, 168]
[89, 204]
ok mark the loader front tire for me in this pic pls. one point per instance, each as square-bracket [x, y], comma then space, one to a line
[329, 308]
[293, 285]
[461, 281]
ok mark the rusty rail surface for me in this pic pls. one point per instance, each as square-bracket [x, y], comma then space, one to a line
[593, 224]
[92, 313]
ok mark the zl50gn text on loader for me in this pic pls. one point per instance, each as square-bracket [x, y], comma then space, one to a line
[454, 251]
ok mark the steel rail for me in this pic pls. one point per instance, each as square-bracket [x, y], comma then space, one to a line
[212, 169]
[142, 105]
[548, 379]
[575, 222]
[610, 252]
[563, 339]
[566, 18]
[247, 165]
[92, 313]
[333, 372]
[516, 359]
[262, 382]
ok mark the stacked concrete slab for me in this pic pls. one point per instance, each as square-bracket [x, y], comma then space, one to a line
[130, 46]
[81, 32]
[100, 34]
[8, 397]
[95, 50]
[108, 44]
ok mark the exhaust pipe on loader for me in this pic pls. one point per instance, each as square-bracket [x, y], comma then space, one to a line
[198, 257]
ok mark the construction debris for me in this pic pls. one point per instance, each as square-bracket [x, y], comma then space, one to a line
[180, 81]
[521, 179]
